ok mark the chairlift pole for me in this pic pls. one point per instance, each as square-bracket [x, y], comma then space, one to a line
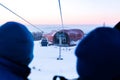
[60, 37]
[60, 44]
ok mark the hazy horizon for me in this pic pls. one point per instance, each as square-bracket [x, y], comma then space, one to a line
[73, 11]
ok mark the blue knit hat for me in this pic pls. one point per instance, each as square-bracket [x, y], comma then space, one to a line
[98, 55]
[16, 43]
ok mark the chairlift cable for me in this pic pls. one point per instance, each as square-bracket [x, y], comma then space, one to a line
[20, 16]
[60, 37]
[61, 14]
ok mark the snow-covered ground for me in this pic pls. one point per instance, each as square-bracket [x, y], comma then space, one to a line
[45, 64]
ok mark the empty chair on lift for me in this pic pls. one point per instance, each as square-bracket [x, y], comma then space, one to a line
[44, 42]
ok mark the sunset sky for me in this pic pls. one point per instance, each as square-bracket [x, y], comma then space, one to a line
[73, 11]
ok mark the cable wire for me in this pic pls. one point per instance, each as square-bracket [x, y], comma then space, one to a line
[20, 17]
[61, 14]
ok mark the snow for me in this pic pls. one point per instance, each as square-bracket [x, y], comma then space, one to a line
[45, 64]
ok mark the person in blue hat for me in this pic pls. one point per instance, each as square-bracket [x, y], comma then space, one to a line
[98, 55]
[16, 51]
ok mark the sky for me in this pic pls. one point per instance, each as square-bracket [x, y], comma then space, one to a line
[73, 11]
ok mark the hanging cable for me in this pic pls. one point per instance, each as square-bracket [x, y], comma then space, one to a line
[61, 14]
[60, 36]
[20, 16]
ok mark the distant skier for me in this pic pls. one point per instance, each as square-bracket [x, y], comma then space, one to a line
[16, 51]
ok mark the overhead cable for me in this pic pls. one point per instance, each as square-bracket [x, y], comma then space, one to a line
[61, 14]
[20, 16]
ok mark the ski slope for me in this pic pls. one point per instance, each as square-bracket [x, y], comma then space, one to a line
[45, 64]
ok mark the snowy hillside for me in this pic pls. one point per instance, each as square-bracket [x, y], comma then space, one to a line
[45, 64]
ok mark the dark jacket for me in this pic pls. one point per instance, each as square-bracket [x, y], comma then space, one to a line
[12, 71]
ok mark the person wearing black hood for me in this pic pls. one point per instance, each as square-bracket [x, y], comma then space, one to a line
[98, 55]
[16, 51]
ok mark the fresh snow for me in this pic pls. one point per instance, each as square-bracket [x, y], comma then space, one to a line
[45, 64]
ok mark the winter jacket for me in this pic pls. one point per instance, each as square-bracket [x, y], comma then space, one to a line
[12, 71]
